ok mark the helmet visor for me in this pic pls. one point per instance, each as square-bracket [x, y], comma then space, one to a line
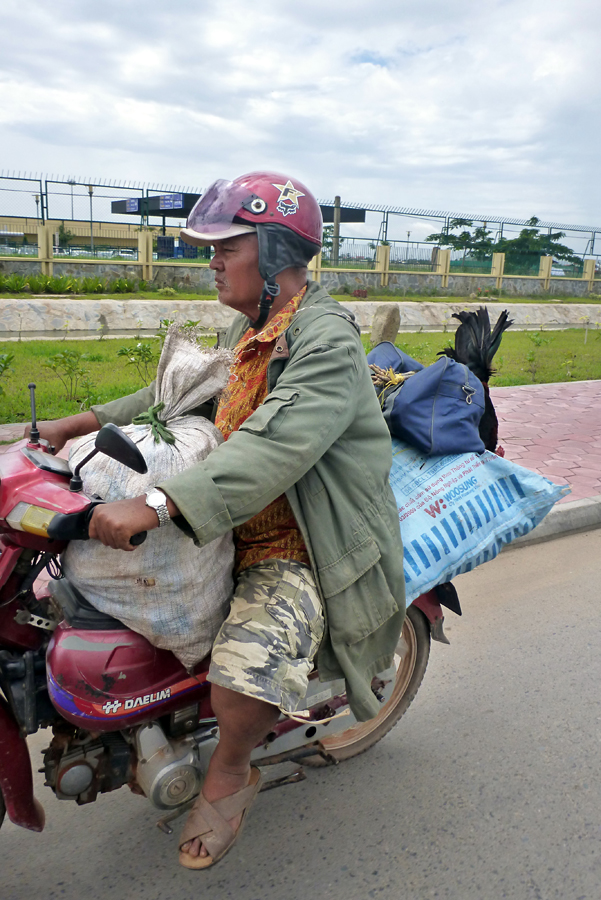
[214, 212]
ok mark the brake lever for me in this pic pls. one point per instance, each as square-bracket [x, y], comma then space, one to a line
[47, 446]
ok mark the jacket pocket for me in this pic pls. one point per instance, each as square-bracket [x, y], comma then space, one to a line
[339, 575]
[362, 608]
[272, 412]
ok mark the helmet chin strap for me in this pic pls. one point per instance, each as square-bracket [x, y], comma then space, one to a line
[268, 294]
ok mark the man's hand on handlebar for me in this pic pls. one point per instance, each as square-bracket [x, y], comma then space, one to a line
[59, 431]
[113, 524]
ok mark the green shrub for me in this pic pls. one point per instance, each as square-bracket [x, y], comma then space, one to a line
[63, 284]
[88, 394]
[5, 368]
[92, 284]
[38, 283]
[68, 368]
[15, 284]
[167, 292]
[123, 285]
[143, 357]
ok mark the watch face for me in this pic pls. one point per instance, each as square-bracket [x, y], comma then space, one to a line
[155, 498]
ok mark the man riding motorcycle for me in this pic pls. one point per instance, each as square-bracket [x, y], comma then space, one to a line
[302, 478]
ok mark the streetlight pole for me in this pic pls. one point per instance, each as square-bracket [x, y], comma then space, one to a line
[336, 232]
[91, 191]
[71, 183]
[37, 205]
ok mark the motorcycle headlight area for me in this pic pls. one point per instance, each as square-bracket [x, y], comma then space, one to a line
[33, 519]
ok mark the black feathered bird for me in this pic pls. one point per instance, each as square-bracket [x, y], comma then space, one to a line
[475, 347]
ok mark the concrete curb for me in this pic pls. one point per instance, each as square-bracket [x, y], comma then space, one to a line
[59, 317]
[565, 518]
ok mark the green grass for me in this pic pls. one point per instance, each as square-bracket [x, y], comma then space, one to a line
[565, 353]
[566, 357]
[109, 374]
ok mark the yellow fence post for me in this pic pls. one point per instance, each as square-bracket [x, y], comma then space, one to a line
[45, 249]
[443, 265]
[383, 263]
[145, 254]
[544, 271]
[588, 273]
[314, 268]
[498, 267]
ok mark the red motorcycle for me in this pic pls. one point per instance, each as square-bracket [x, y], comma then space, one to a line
[123, 712]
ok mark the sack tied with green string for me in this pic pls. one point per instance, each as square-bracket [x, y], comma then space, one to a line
[169, 590]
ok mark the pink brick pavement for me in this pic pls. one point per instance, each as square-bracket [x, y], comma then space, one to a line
[553, 429]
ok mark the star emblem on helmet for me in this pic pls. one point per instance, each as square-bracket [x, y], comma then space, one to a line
[288, 200]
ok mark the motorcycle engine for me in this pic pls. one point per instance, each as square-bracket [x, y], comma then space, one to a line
[168, 771]
[79, 767]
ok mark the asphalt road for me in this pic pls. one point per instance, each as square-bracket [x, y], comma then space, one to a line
[488, 788]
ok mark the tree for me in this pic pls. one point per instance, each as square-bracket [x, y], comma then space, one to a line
[530, 245]
[327, 241]
[64, 236]
[523, 251]
[476, 244]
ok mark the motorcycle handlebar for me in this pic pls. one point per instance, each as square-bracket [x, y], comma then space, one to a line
[74, 526]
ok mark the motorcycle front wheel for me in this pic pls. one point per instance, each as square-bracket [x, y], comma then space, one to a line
[411, 660]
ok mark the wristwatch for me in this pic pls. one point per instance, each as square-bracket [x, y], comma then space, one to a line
[157, 500]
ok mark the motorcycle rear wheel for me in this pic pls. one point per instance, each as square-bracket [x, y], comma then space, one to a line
[411, 661]
[2, 808]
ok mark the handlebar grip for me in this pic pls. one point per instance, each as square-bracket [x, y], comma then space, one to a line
[137, 539]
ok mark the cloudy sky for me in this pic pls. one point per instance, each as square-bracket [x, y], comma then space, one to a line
[476, 106]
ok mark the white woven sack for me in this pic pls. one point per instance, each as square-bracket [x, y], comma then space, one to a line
[175, 594]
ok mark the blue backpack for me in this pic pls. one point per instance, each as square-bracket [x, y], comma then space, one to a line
[438, 409]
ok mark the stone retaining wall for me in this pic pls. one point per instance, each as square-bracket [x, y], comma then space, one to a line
[53, 317]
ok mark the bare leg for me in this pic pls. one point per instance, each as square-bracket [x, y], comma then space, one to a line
[243, 723]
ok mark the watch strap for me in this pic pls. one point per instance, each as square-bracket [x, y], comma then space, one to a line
[161, 508]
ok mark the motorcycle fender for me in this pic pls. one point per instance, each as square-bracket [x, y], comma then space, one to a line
[16, 780]
[431, 608]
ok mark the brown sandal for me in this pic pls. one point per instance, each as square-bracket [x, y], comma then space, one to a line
[209, 822]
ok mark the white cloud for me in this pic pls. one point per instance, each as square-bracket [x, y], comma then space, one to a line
[485, 107]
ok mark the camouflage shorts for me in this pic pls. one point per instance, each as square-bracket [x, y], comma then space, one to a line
[266, 646]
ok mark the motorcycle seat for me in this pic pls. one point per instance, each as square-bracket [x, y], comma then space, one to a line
[79, 612]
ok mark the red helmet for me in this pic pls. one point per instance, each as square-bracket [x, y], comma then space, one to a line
[228, 208]
[284, 214]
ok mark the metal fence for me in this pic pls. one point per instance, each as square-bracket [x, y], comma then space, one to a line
[79, 210]
[353, 253]
[84, 227]
[412, 256]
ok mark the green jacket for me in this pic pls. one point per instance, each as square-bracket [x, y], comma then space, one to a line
[320, 438]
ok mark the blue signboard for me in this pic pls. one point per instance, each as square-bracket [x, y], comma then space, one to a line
[171, 201]
[132, 204]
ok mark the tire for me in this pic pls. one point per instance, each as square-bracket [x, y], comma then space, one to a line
[2, 808]
[411, 668]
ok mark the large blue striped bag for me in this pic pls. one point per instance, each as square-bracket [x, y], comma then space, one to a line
[457, 512]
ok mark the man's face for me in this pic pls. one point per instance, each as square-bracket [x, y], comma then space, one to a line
[237, 278]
